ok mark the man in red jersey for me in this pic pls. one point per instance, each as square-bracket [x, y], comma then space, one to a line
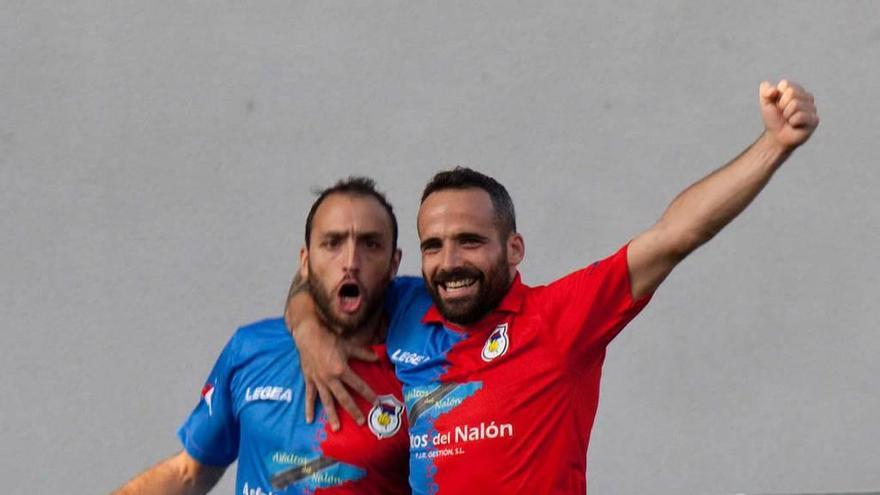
[501, 380]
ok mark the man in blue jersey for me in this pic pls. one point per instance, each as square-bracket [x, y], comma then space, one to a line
[252, 404]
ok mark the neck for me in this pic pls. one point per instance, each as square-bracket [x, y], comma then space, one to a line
[371, 332]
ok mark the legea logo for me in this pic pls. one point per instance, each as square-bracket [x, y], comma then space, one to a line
[268, 393]
[406, 357]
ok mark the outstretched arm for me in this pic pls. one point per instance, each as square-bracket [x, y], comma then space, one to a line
[703, 209]
[324, 359]
[177, 475]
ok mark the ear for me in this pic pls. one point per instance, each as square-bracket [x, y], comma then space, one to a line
[304, 263]
[516, 250]
[395, 261]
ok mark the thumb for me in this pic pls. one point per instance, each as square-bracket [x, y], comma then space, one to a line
[768, 93]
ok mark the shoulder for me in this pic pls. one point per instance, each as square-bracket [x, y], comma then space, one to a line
[407, 297]
[268, 336]
[407, 286]
[407, 302]
[596, 273]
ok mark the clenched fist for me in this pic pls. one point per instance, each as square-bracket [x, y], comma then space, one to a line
[789, 113]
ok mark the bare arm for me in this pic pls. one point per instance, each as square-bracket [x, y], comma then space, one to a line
[324, 359]
[697, 214]
[177, 475]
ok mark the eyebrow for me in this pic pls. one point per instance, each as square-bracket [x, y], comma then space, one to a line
[369, 236]
[458, 237]
[470, 235]
[343, 234]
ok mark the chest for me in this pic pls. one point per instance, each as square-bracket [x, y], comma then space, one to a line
[495, 372]
[269, 404]
[510, 349]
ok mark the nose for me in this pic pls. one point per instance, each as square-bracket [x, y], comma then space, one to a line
[450, 257]
[352, 257]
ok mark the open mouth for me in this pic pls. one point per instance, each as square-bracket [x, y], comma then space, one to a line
[349, 297]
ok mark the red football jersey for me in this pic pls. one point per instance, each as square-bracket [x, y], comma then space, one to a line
[506, 405]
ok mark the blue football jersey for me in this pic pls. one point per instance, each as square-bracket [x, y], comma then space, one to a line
[251, 408]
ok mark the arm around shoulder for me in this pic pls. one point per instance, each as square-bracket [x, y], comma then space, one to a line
[324, 359]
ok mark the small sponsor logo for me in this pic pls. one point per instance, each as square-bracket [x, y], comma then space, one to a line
[208, 397]
[269, 393]
[384, 418]
[406, 357]
[497, 343]
[310, 470]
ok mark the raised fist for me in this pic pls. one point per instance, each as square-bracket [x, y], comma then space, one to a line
[789, 113]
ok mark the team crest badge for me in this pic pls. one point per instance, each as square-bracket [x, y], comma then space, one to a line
[208, 396]
[385, 417]
[497, 343]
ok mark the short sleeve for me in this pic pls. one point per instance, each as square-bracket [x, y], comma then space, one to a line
[210, 434]
[588, 308]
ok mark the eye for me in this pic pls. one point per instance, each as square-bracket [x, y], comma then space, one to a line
[373, 244]
[471, 241]
[331, 242]
[430, 246]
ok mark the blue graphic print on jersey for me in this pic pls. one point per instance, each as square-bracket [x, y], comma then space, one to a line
[418, 351]
[425, 404]
[308, 472]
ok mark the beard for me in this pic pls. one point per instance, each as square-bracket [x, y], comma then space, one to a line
[494, 285]
[345, 324]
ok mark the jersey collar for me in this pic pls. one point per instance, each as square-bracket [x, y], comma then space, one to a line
[511, 303]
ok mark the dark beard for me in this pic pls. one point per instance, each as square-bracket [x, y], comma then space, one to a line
[493, 287]
[346, 327]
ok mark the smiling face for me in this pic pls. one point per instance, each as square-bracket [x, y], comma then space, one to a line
[349, 260]
[467, 265]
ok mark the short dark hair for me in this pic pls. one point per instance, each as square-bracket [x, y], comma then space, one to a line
[467, 178]
[354, 185]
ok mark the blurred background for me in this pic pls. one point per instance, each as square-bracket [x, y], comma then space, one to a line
[157, 161]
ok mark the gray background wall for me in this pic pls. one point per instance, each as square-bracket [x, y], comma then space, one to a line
[157, 160]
